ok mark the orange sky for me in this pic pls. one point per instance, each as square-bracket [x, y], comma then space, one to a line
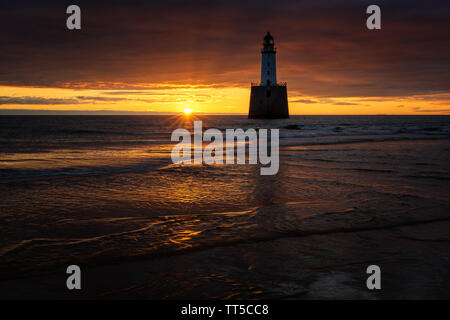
[204, 99]
[166, 56]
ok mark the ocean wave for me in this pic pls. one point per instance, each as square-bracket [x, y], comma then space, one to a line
[8, 174]
[346, 129]
[293, 143]
[146, 238]
[341, 134]
[82, 132]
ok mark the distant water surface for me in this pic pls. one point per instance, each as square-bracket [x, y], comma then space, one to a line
[102, 189]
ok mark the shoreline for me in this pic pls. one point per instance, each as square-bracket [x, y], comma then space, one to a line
[311, 267]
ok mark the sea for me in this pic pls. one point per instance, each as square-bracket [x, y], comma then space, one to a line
[102, 192]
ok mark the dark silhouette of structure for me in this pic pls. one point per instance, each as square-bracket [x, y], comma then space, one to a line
[268, 99]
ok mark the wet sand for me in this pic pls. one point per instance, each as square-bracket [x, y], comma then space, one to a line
[414, 262]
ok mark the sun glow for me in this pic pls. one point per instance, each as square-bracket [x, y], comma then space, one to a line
[178, 100]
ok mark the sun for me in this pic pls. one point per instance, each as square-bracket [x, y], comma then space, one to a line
[187, 111]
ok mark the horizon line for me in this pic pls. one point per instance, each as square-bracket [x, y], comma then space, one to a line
[39, 112]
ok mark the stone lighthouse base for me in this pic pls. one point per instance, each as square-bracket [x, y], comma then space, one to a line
[268, 102]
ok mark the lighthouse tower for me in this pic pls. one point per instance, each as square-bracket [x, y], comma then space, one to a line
[268, 99]
[268, 62]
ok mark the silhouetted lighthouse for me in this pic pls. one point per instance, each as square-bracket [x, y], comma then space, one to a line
[268, 99]
[268, 62]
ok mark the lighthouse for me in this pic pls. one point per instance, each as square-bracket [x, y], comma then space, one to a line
[268, 62]
[268, 99]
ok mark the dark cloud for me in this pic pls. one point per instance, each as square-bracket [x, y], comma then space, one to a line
[129, 93]
[419, 109]
[76, 112]
[5, 100]
[101, 99]
[307, 101]
[345, 104]
[35, 101]
[324, 47]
